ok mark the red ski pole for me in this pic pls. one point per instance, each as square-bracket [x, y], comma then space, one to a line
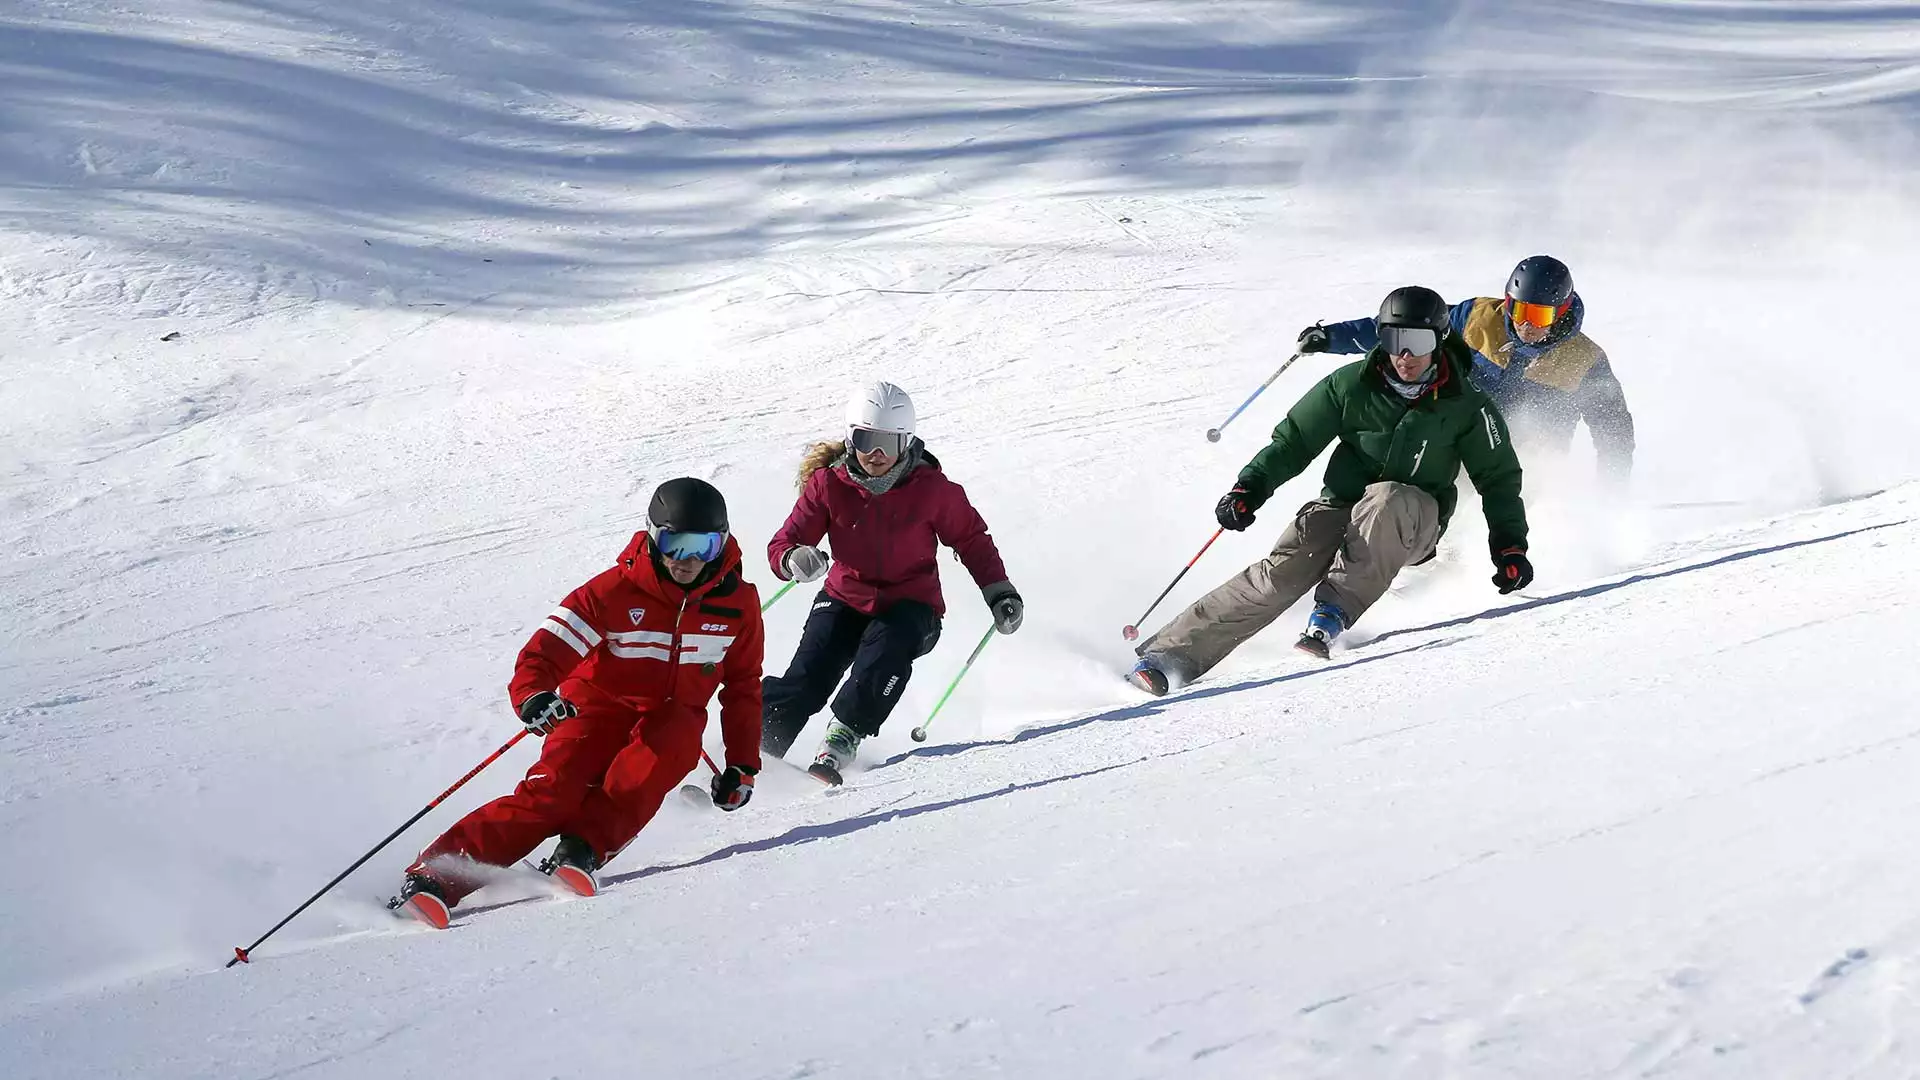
[241, 956]
[1131, 631]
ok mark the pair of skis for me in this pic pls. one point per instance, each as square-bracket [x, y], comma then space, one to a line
[431, 910]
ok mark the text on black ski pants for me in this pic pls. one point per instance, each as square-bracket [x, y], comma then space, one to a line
[879, 650]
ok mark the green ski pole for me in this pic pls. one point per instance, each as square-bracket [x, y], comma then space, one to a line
[920, 733]
[784, 590]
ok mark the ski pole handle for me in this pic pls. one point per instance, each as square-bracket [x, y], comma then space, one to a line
[241, 956]
[1213, 434]
[920, 733]
[1132, 629]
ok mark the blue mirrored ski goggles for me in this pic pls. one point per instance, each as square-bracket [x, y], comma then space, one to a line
[867, 440]
[1417, 340]
[705, 546]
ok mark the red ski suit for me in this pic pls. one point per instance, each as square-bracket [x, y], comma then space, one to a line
[640, 657]
[885, 547]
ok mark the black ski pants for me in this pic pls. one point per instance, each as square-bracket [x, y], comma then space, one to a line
[879, 650]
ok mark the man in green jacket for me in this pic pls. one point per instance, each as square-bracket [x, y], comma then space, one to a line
[1407, 421]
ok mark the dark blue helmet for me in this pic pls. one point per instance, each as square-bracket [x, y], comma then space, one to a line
[1541, 279]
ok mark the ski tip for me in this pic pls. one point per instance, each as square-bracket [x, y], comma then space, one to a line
[1148, 680]
[576, 880]
[825, 775]
[429, 909]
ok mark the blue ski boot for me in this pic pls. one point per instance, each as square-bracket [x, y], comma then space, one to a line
[1323, 626]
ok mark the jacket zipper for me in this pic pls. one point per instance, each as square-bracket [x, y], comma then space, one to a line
[673, 652]
[1394, 444]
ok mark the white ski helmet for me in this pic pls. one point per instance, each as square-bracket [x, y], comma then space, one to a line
[881, 406]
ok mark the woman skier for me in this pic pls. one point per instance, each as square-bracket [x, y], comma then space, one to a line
[882, 503]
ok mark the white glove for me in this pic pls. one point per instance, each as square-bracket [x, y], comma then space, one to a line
[804, 564]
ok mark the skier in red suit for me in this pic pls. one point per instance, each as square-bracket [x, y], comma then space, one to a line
[617, 679]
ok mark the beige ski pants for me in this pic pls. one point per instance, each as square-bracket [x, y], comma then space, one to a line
[1352, 553]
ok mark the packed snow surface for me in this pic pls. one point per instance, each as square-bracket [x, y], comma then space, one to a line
[342, 339]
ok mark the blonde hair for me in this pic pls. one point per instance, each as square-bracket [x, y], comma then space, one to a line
[819, 456]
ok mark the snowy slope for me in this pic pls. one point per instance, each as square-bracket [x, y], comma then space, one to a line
[1662, 842]
[456, 286]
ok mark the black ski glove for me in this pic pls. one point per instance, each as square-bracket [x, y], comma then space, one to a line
[1515, 571]
[732, 788]
[544, 710]
[1314, 339]
[1007, 607]
[1235, 509]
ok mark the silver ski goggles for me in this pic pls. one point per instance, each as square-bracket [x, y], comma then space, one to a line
[867, 440]
[1417, 340]
[705, 546]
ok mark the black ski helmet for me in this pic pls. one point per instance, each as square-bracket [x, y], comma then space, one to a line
[1415, 306]
[1541, 279]
[688, 505]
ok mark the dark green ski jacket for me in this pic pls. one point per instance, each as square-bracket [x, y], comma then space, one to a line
[1383, 436]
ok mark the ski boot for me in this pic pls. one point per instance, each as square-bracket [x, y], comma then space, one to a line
[837, 751]
[1325, 624]
[1147, 676]
[572, 864]
[424, 899]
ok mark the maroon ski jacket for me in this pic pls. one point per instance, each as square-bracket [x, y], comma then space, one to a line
[884, 546]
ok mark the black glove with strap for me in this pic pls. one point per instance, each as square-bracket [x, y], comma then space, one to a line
[1007, 607]
[1235, 509]
[732, 787]
[1515, 571]
[1314, 339]
[544, 710]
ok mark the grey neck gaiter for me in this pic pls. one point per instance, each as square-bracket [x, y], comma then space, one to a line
[880, 485]
[1411, 390]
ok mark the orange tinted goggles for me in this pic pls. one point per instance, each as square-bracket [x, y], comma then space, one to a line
[1536, 314]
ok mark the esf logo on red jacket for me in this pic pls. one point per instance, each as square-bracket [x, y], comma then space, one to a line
[655, 645]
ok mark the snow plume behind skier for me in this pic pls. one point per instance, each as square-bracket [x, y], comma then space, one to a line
[617, 680]
[883, 505]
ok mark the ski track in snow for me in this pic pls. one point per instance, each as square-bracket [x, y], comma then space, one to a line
[343, 340]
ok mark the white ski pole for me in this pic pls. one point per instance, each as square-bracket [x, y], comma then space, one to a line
[1213, 434]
